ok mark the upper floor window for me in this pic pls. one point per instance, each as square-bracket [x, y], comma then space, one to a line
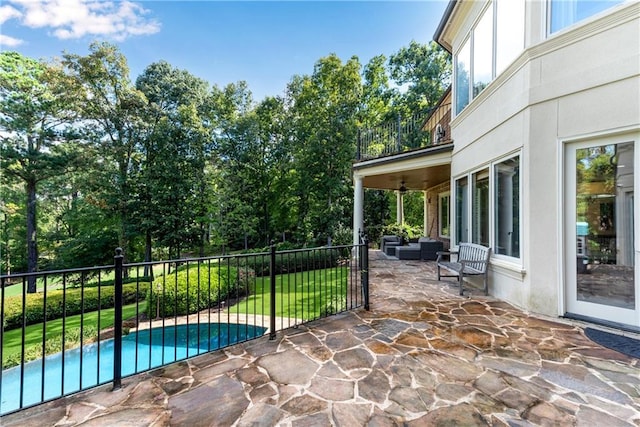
[495, 40]
[567, 12]
[463, 76]
[509, 32]
[483, 52]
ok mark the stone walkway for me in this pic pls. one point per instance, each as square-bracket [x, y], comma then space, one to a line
[422, 356]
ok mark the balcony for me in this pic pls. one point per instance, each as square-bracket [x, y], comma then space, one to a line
[403, 135]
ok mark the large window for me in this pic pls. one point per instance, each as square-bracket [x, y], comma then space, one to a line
[563, 13]
[507, 207]
[509, 32]
[494, 41]
[463, 75]
[482, 52]
[462, 210]
[480, 212]
[443, 214]
[495, 214]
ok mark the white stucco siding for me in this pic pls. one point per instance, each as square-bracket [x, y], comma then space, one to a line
[579, 83]
[600, 109]
[566, 65]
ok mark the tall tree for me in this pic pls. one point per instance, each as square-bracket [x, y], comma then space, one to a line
[112, 105]
[37, 114]
[324, 112]
[171, 183]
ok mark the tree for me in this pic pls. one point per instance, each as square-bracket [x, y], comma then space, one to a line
[324, 111]
[171, 182]
[425, 69]
[112, 106]
[37, 103]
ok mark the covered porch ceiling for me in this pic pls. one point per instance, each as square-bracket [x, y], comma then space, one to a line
[419, 170]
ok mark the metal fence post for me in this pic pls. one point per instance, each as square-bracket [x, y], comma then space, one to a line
[399, 136]
[117, 323]
[359, 146]
[272, 297]
[364, 268]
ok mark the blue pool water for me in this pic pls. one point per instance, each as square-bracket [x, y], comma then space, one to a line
[141, 351]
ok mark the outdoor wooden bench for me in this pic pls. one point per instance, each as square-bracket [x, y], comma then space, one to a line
[472, 260]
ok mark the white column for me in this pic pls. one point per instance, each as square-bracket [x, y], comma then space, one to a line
[358, 208]
[425, 223]
[399, 208]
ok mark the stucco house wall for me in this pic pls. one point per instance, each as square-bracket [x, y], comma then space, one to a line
[581, 82]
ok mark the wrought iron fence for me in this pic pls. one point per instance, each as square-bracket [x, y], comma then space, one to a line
[92, 326]
[406, 134]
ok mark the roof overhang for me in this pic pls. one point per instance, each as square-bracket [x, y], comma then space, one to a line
[439, 35]
[418, 170]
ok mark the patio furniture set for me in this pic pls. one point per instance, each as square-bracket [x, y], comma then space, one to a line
[425, 249]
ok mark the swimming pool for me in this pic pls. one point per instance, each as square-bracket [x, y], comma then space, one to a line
[141, 351]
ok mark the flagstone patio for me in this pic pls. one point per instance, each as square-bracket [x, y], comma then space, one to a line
[422, 356]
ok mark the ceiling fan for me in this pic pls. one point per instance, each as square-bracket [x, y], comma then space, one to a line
[403, 188]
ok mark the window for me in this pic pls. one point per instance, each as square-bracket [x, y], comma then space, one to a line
[443, 214]
[509, 32]
[487, 207]
[494, 41]
[482, 52]
[462, 210]
[563, 13]
[507, 207]
[480, 212]
[463, 74]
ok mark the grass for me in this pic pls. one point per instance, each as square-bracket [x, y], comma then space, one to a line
[304, 295]
[12, 340]
[55, 281]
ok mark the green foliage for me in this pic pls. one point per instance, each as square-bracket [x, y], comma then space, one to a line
[61, 303]
[196, 287]
[301, 261]
[174, 166]
[336, 304]
[405, 231]
[426, 69]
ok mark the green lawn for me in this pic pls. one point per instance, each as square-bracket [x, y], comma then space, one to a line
[300, 295]
[55, 282]
[12, 340]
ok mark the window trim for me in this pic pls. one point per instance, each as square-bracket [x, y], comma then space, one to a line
[490, 167]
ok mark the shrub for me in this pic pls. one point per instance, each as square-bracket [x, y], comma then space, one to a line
[61, 303]
[403, 230]
[298, 261]
[335, 305]
[193, 288]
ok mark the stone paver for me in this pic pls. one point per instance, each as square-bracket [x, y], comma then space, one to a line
[421, 356]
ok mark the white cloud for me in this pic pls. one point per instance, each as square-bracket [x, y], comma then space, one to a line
[74, 19]
[7, 12]
[9, 41]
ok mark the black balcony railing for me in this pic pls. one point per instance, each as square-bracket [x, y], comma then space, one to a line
[92, 326]
[401, 135]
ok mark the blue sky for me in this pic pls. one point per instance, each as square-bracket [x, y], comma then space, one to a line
[264, 43]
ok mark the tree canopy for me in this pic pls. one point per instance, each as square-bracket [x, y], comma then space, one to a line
[167, 164]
